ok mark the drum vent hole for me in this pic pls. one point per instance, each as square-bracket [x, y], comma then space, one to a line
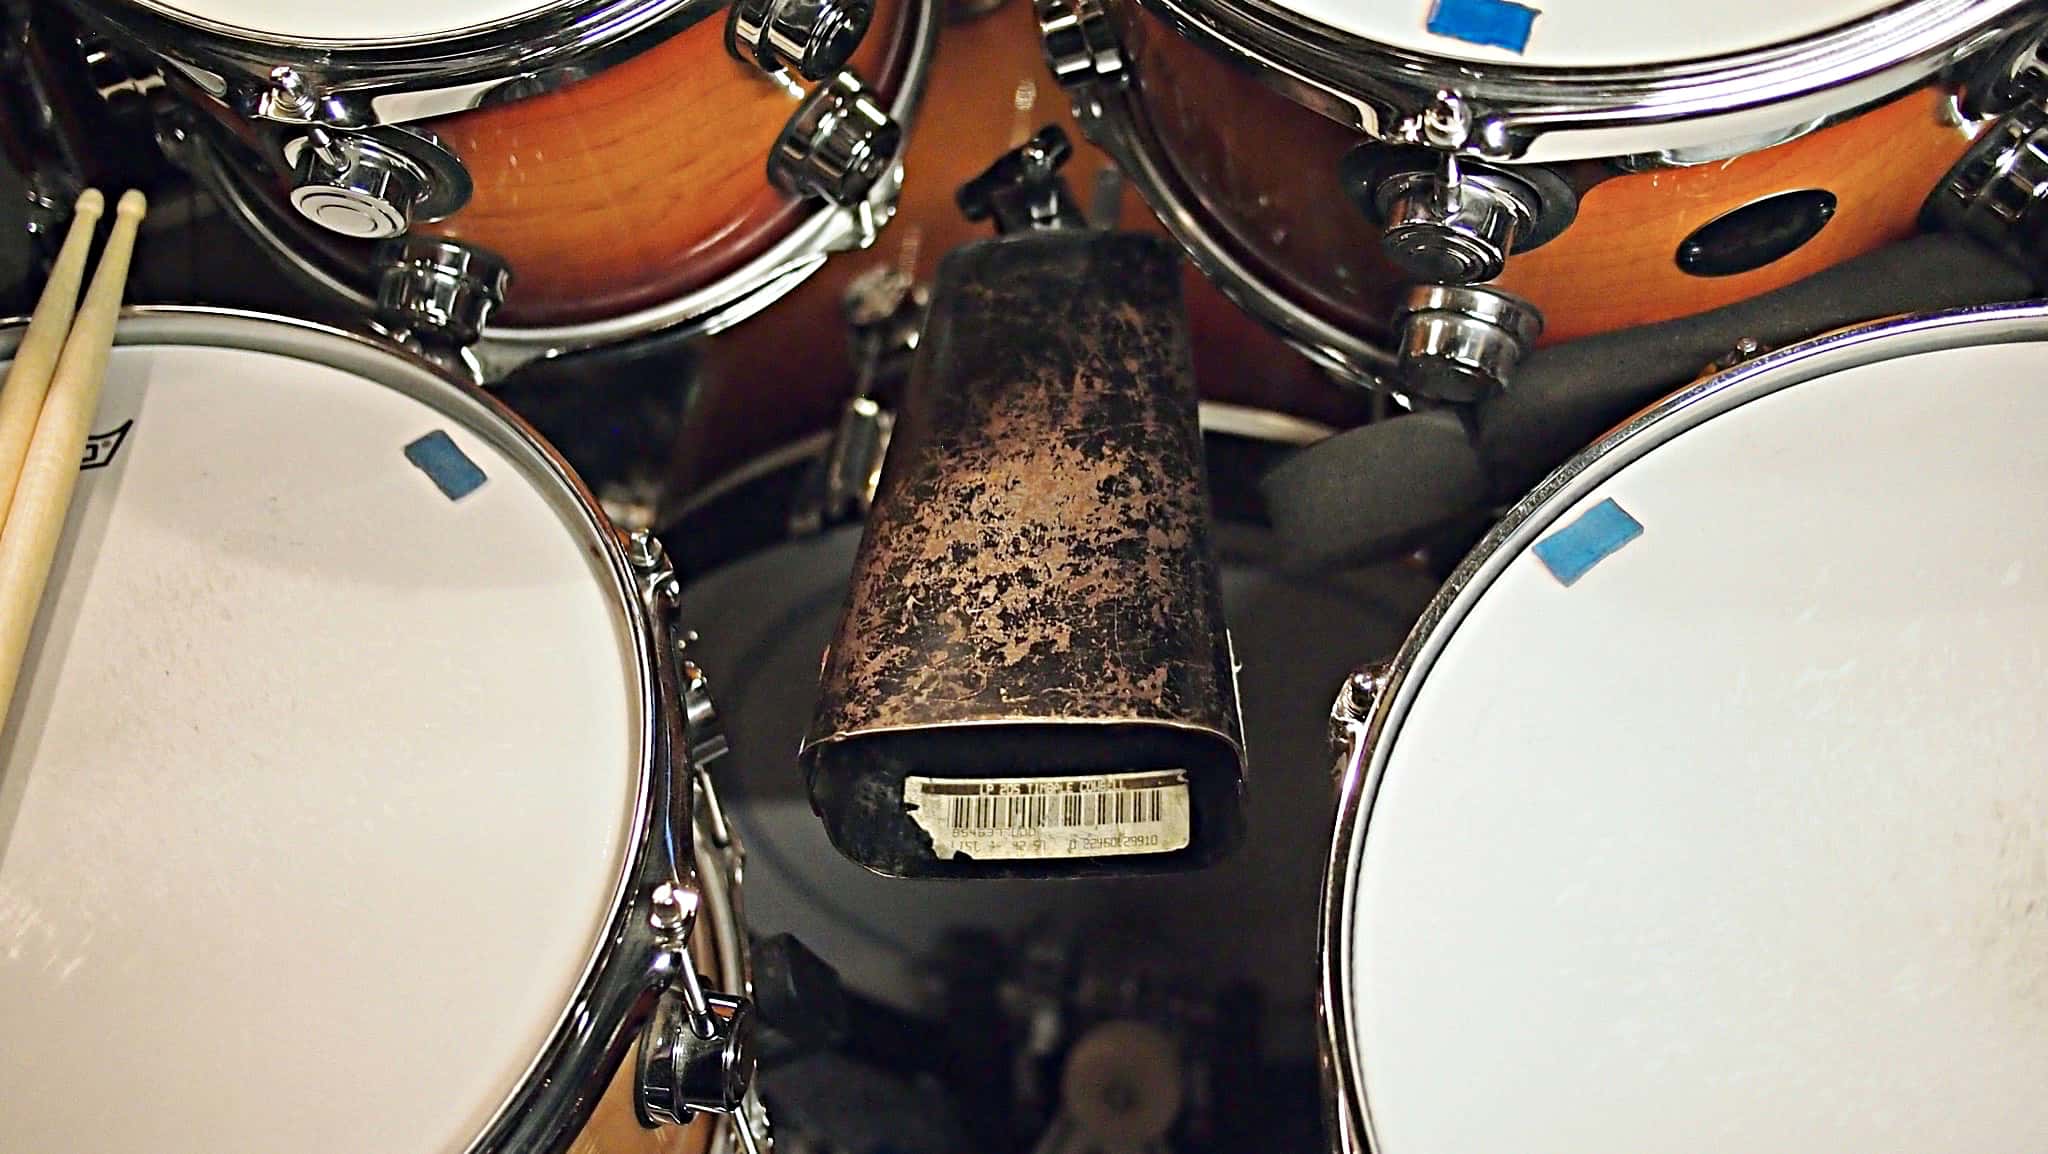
[1756, 234]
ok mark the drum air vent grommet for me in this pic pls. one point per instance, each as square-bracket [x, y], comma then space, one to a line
[1756, 234]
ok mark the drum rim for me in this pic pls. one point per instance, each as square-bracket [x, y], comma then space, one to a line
[1365, 731]
[1527, 113]
[360, 83]
[625, 965]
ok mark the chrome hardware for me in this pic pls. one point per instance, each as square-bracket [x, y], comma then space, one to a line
[355, 189]
[288, 98]
[1451, 226]
[1023, 190]
[1081, 45]
[2008, 75]
[697, 1049]
[51, 193]
[372, 185]
[1459, 342]
[704, 738]
[1356, 700]
[660, 588]
[1743, 350]
[438, 290]
[813, 37]
[840, 486]
[1446, 123]
[1998, 191]
[692, 1065]
[884, 309]
[839, 143]
[116, 77]
[1449, 220]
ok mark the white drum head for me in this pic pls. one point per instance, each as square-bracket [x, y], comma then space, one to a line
[319, 794]
[350, 23]
[1584, 33]
[1740, 842]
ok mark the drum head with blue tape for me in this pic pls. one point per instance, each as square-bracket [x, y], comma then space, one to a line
[1710, 811]
[321, 783]
[1585, 33]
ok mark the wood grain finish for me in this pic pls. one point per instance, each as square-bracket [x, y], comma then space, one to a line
[1264, 169]
[644, 182]
[786, 373]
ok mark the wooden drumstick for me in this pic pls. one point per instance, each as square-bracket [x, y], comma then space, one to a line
[42, 497]
[21, 398]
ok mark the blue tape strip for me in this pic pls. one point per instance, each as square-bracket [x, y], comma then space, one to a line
[1571, 552]
[1494, 23]
[446, 465]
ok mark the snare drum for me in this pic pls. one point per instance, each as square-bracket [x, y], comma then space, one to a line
[1417, 191]
[1706, 807]
[346, 805]
[633, 165]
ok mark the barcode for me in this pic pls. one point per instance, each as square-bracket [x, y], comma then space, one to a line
[1046, 811]
[1100, 815]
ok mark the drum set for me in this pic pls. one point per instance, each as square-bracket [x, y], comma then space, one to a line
[1664, 373]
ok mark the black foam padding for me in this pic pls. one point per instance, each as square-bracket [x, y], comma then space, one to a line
[1564, 397]
[1374, 491]
[1383, 489]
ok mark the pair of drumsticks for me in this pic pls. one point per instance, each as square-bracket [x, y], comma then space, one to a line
[46, 412]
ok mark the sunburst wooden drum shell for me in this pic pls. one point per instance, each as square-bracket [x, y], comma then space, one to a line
[643, 182]
[1263, 171]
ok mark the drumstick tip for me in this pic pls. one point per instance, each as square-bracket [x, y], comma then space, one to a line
[91, 204]
[132, 205]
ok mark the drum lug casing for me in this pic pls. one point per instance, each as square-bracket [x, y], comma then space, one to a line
[375, 184]
[1461, 342]
[837, 146]
[437, 293]
[683, 1072]
[1996, 193]
[813, 38]
[697, 1049]
[1080, 41]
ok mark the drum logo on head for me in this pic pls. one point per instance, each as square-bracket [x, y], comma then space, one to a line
[101, 447]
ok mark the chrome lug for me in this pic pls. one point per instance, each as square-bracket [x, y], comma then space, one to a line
[837, 146]
[440, 291]
[1998, 192]
[814, 38]
[1460, 343]
[694, 1063]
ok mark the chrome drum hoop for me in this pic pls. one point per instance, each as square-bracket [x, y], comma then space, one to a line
[1548, 115]
[1114, 118]
[357, 84]
[677, 843]
[735, 297]
[1370, 710]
